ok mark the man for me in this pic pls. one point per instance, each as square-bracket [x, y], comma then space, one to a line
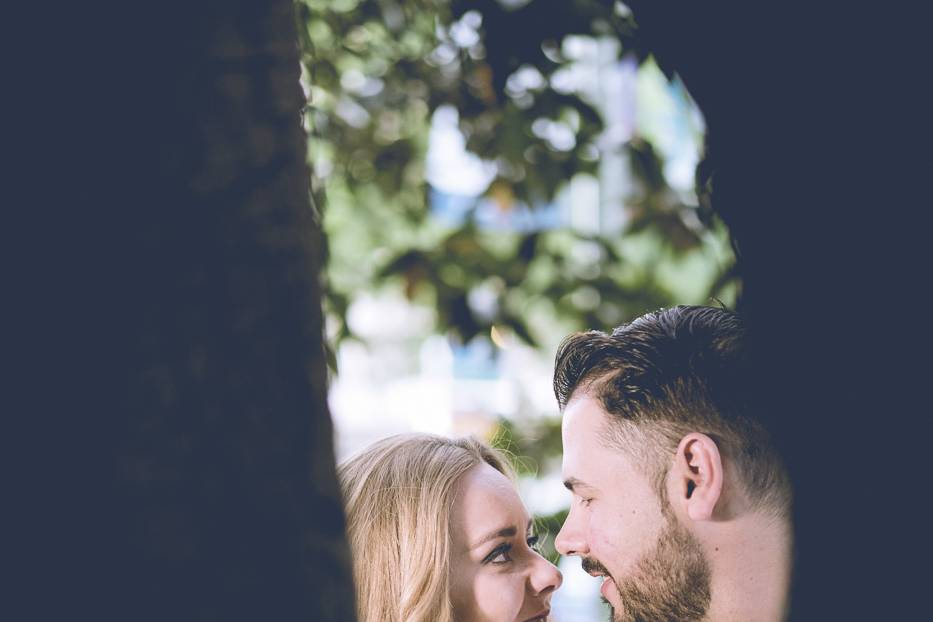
[679, 498]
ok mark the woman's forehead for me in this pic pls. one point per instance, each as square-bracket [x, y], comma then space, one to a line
[486, 499]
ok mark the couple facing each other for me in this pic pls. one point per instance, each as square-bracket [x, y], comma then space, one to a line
[680, 500]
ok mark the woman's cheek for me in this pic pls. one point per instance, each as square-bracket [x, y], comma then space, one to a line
[500, 596]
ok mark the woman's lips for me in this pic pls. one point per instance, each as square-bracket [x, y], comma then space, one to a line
[607, 587]
[541, 617]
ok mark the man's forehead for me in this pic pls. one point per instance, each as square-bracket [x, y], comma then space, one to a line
[582, 432]
[584, 418]
[588, 448]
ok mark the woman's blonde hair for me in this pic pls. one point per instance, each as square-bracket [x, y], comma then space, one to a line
[398, 493]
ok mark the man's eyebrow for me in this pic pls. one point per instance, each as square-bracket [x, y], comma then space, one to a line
[572, 483]
[505, 532]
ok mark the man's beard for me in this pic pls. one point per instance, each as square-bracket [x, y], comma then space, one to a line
[670, 583]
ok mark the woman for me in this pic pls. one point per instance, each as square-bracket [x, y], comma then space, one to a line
[439, 534]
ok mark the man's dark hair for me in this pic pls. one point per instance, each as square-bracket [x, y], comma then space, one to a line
[672, 372]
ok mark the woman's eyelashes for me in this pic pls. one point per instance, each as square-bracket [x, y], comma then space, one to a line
[502, 554]
[533, 544]
[499, 555]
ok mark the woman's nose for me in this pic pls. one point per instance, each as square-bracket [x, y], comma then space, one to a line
[545, 577]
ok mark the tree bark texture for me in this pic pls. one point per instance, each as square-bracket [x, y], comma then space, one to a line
[183, 464]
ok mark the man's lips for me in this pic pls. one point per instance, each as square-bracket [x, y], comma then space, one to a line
[539, 617]
[595, 569]
[607, 587]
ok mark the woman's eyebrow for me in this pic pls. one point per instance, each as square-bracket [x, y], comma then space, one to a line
[505, 532]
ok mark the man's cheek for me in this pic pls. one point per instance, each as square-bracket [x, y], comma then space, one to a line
[608, 544]
[603, 541]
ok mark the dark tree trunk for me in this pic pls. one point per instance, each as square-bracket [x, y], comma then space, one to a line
[176, 460]
[811, 117]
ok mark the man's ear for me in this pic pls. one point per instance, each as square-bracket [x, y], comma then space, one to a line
[698, 468]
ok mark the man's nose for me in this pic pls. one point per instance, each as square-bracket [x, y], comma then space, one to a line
[569, 540]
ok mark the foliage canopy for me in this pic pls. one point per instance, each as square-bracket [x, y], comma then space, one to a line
[378, 71]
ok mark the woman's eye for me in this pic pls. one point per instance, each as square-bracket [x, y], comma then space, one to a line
[499, 555]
